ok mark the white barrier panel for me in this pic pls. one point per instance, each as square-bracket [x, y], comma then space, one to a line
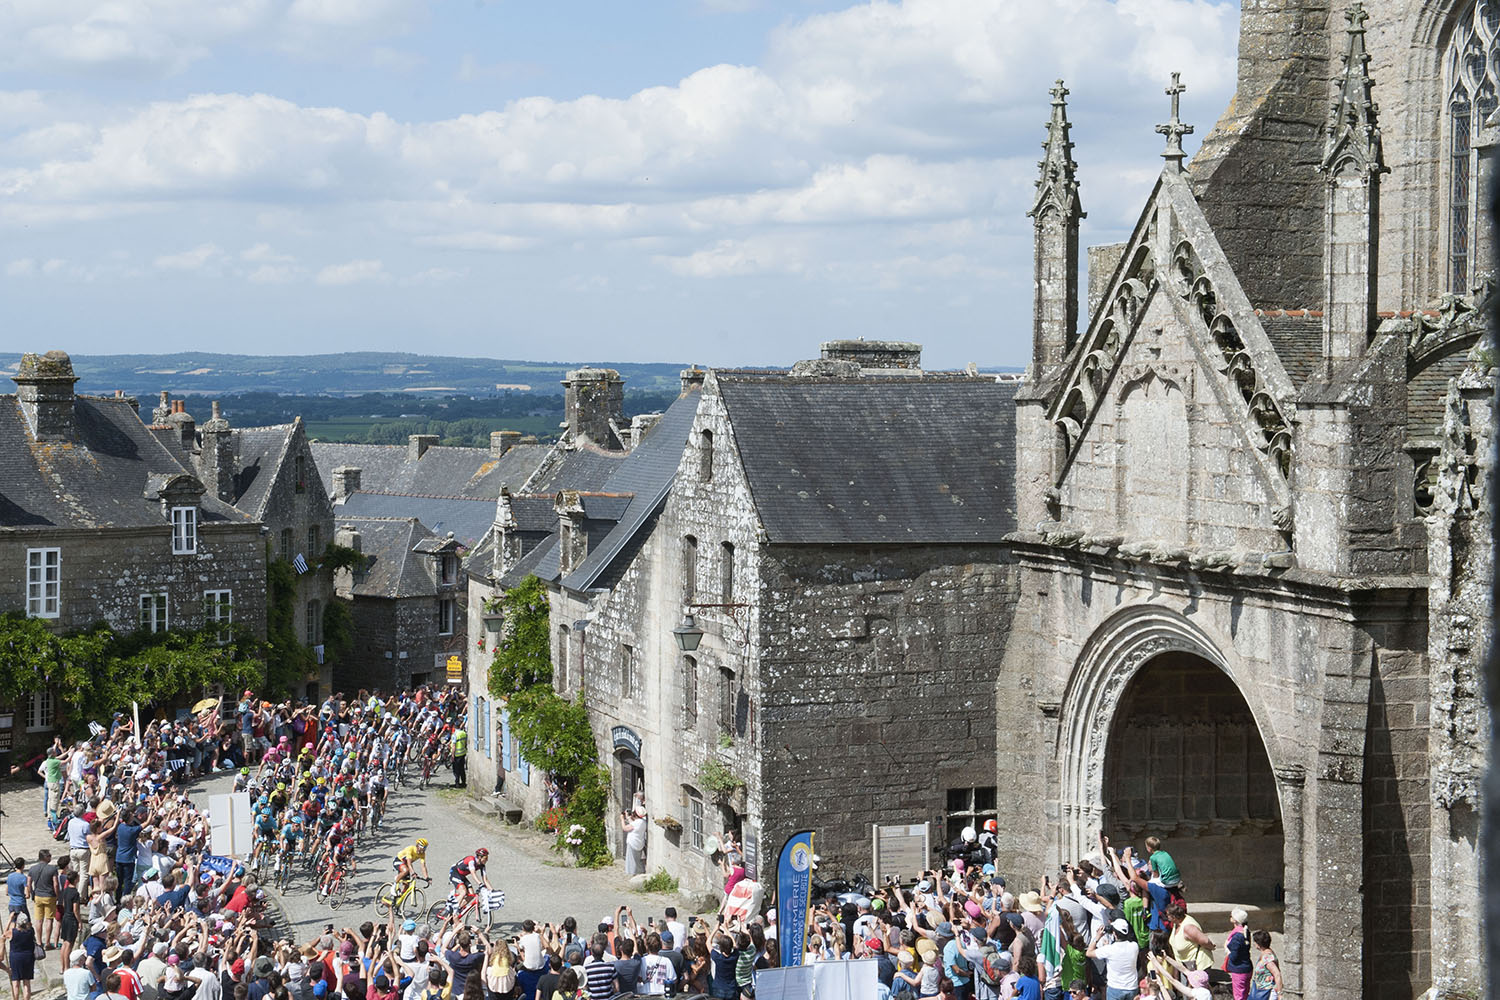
[229, 819]
[854, 980]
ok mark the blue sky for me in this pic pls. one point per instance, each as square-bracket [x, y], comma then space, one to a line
[718, 181]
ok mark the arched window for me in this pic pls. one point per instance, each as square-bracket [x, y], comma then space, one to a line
[1470, 69]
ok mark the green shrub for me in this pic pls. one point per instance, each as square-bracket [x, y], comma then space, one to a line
[659, 881]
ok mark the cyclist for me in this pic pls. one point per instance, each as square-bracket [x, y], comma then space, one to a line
[265, 828]
[340, 851]
[405, 858]
[458, 876]
[291, 837]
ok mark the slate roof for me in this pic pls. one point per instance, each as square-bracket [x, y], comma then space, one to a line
[840, 461]
[586, 468]
[441, 471]
[1297, 336]
[392, 569]
[645, 476]
[259, 453]
[1426, 393]
[468, 519]
[97, 480]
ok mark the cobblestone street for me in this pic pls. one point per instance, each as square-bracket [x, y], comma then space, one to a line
[535, 882]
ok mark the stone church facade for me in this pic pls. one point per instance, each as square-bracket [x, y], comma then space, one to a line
[1252, 494]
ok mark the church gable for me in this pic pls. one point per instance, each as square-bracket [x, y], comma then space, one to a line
[1171, 421]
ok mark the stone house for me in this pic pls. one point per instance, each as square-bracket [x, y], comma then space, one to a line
[1252, 494]
[269, 474]
[836, 534]
[407, 601]
[102, 521]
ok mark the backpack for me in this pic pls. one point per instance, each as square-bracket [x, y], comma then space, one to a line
[988, 968]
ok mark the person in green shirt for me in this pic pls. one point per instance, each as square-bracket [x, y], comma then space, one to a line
[51, 773]
[1162, 864]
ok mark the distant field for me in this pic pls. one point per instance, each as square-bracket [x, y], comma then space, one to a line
[357, 429]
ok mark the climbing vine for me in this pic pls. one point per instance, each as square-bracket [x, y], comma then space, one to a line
[95, 671]
[552, 733]
[288, 661]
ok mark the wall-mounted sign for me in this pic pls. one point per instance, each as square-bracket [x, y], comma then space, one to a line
[626, 738]
[455, 670]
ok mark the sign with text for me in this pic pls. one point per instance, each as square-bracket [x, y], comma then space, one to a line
[901, 851]
[626, 739]
[455, 670]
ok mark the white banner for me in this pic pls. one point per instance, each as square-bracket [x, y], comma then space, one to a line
[852, 980]
[229, 822]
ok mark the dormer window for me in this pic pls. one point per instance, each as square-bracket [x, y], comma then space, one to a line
[184, 531]
[447, 569]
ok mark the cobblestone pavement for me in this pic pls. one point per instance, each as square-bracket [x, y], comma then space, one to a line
[522, 863]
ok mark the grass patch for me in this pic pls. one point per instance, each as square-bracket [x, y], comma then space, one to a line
[659, 881]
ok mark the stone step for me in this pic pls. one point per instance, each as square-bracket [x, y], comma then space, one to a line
[1214, 916]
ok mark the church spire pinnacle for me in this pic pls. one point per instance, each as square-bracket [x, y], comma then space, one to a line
[1175, 129]
[1055, 214]
[1352, 133]
[1058, 184]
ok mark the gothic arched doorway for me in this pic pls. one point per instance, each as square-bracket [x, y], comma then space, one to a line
[1185, 762]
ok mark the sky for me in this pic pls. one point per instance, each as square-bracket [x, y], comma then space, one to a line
[724, 182]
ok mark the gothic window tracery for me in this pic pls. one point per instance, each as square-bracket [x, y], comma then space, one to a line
[1471, 72]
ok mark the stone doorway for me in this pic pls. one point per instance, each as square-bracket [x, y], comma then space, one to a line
[1185, 762]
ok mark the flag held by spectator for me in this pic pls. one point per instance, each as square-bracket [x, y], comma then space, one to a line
[1050, 949]
[95, 729]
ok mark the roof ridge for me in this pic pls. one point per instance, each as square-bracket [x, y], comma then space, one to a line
[422, 496]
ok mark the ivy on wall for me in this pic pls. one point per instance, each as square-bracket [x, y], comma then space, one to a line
[551, 732]
[96, 671]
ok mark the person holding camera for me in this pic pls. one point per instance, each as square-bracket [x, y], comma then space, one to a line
[1115, 944]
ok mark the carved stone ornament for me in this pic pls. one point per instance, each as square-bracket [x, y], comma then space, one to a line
[1180, 376]
[1460, 321]
[1353, 137]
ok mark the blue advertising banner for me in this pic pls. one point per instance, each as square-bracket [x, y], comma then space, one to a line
[793, 886]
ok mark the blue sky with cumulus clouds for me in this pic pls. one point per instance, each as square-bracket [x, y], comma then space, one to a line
[720, 181]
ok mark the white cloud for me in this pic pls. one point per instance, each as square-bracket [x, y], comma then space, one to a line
[262, 253]
[199, 258]
[163, 37]
[352, 273]
[436, 276]
[275, 274]
[23, 267]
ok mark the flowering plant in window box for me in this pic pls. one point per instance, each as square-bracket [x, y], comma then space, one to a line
[670, 824]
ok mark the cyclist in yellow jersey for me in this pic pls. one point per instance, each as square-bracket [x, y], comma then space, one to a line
[405, 858]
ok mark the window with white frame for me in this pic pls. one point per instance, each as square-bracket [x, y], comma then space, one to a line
[447, 612]
[43, 583]
[314, 622]
[218, 611]
[154, 612]
[695, 819]
[41, 710]
[184, 530]
[286, 544]
[314, 542]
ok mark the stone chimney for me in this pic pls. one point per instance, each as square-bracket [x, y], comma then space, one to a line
[507, 536]
[417, 445]
[216, 461]
[572, 539]
[503, 441]
[44, 388]
[593, 398]
[182, 423]
[692, 378]
[875, 355]
[162, 410]
[349, 537]
[345, 482]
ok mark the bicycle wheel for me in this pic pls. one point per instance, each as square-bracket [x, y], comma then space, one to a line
[438, 913]
[384, 896]
[413, 904]
[477, 917]
[336, 890]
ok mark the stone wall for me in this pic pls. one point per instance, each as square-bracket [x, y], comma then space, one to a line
[1255, 173]
[394, 641]
[104, 572]
[1397, 828]
[876, 686]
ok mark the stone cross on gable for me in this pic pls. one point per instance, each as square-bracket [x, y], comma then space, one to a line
[1175, 129]
[1356, 16]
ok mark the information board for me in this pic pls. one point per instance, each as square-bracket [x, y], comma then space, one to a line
[901, 851]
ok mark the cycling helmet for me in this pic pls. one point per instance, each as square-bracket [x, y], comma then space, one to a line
[281, 786]
[483, 852]
[245, 771]
[422, 843]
